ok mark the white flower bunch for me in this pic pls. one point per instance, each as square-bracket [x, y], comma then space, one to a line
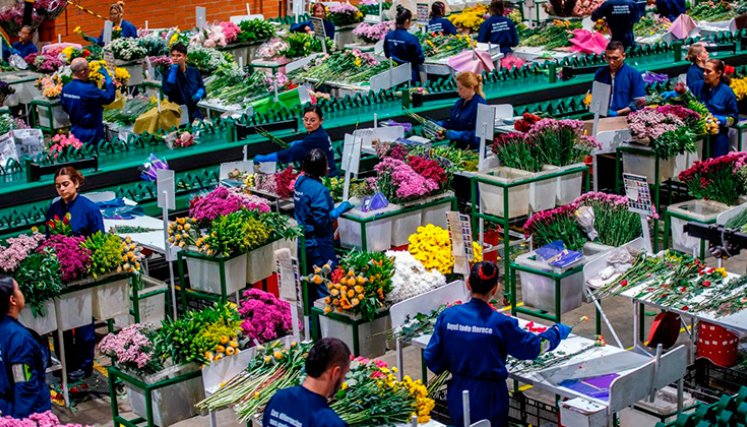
[411, 278]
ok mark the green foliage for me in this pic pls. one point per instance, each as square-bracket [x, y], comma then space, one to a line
[255, 30]
[39, 279]
[106, 252]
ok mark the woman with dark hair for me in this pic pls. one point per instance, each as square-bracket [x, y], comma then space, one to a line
[498, 29]
[316, 137]
[317, 11]
[403, 47]
[85, 220]
[315, 212]
[719, 98]
[472, 342]
[439, 24]
[23, 386]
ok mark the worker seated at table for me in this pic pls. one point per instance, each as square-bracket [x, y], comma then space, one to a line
[460, 126]
[439, 24]
[719, 98]
[316, 137]
[498, 29]
[183, 83]
[307, 404]
[121, 28]
[403, 47]
[628, 89]
[318, 11]
[620, 15]
[84, 102]
[698, 55]
[472, 341]
[23, 385]
[25, 45]
[670, 9]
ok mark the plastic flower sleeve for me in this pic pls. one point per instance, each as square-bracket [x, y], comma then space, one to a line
[585, 220]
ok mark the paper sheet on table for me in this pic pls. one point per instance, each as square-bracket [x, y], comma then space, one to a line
[472, 60]
[117, 104]
[682, 26]
[152, 120]
[588, 41]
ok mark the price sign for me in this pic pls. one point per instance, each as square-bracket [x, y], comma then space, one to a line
[319, 31]
[460, 232]
[638, 194]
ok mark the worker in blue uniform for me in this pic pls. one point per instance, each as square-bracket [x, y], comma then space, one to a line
[25, 45]
[315, 212]
[438, 23]
[84, 102]
[318, 11]
[498, 29]
[628, 90]
[670, 9]
[460, 126]
[472, 341]
[698, 55]
[307, 404]
[719, 98]
[121, 28]
[620, 15]
[403, 47]
[183, 83]
[23, 360]
[85, 219]
[316, 137]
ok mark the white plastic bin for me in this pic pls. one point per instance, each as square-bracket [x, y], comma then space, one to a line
[701, 211]
[43, 324]
[112, 299]
[492, 196]
[542, 193]
[371, 335]
[59, 118]
[172, 403]
[568, 187]
[637, 164]
[436, 215]
[204, 275]
[152, 308]
[378, 234]
[405, 225]
[76, 309]
[260, 263]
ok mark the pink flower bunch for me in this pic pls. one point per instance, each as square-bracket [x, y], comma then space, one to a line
[279, 79]
[132, 348]
[223, 201]
[265, 317]
[548, 216]
[408, 184]
[42, 419]
[343, 8]
[74, 259]
[62, 143]
[230, 31]
[652, 123]
[372, 33]
[610, 199]
[17, 250]
[47, 63]
[716, 178]
[160, 61]
[366, 58]
[556, 126]
[684, 114]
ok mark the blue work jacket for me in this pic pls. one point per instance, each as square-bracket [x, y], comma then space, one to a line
[620, 15]
[499, 30]
[24, 50]
[463, 118]
[404, 47]
[694, 74]
[441, 25]
[299, 406]
[626, 88]
[84, 103]
[183, 88]
[720, 101]
[670, 9]
[317, 139]
[85, 216]
[329, 28]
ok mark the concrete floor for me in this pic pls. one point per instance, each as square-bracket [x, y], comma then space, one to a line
[96, 410]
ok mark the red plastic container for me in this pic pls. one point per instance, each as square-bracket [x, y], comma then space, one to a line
[717, 344]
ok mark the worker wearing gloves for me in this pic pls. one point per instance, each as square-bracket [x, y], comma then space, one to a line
[460, 126]
[498, 29]
[307, 404]
[670, 9]
[719, 98]
[472, 342]
[315, 212]
[316, 137]
[23, 386]
[124, 27]
[318, 11]
[84, 102]
[628, 89]
[25, 45]
[439, 24]
[698, 55]
[620, 15]
[183, 84]
[403, 47]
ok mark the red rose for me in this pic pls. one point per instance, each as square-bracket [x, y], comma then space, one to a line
[706, 284]
[624, 283]
[685, 308]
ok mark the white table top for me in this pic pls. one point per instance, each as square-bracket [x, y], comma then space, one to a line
[152, 240]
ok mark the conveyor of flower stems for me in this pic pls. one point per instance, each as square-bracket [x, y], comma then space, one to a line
[532, 88]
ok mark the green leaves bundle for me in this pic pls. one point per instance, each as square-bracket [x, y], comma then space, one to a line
[255, 30]
[39, 278]
[302, 44]
[516, 151]
[106, 252]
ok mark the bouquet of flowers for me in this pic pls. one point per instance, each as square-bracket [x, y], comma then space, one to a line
[120, 76]
[47, 63]
[16, 249]
[556, 224]
[70, 53]
[614, 223]
[665, 128]
[552, 35]
[371, 7]
[63, 144]
[739, 86]
[561, 142]
[280, 183]
[50, 85]
[41, 419]
[437, 46]
[74, 259]
[349, 66]
[526, 122]
[302, 44]
[223, 201]
[126, 49]
[208, 60]
[109, 253]
[716, 178]
[134, 349]
[273, 48]
[196, 336]
[342, 14]
[181, 139]
[7, 123]
[372, 33]
[237, 232]
[411, 278]
[431, 245]
[255, 30]
[399, 181]
[265, 318]
[470, 18]
[40, 280]
[514, 150]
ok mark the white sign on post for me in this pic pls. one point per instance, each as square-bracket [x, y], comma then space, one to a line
[184, 119]
[107, 38]
[304, 95]
[638, 193]
[148, 69]
[200, 17]
[484, 130]
[319, 31]
[600, 98]
[460, 232]
[166, 187]
[351, 158]
[298, 9]
[422, 12]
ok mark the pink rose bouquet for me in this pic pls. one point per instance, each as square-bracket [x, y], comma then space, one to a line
[265, 317]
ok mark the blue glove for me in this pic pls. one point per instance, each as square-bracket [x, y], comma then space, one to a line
[296, 142]
[668, 94]
[105, 73]
[564, 330]
[722, 120]
[459, 135]
[344, 207]
[172, 73]
[263, 158]
[198, 95]
[612, 113]
[439, 122]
